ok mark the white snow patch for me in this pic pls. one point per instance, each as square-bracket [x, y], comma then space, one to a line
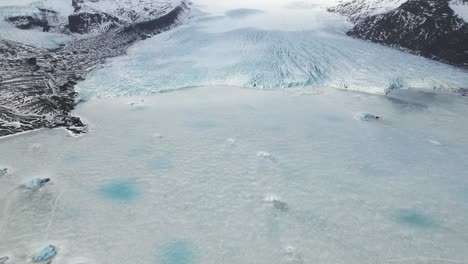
[460, 8]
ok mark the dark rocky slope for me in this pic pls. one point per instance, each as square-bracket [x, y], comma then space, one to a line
[37, 85]
[426, 27]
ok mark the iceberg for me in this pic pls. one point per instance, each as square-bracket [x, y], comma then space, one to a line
[36, 183]
[45, 255]
[364, 116]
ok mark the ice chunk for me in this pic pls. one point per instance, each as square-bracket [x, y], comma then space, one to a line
[45, 254]
[231, 141]
[435, 142]
[3, 172]
[263, 154]
[365, 116]
[36, 183]
[276, 202]
[156, 136]
[292, 256]
[36, 146]
[3, 260]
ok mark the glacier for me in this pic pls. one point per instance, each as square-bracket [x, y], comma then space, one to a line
[278, 46]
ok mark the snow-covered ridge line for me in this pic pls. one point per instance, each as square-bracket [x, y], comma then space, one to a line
[358, 10]
[38, 85]
[429, 28]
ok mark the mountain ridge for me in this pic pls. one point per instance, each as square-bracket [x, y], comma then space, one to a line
[429, 28]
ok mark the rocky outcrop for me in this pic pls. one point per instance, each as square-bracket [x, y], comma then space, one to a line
[44, 19]
[85, 22]
[37, 85]
[425, 27]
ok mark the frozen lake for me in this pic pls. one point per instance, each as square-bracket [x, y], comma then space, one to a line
[222, 174]
[233, 175]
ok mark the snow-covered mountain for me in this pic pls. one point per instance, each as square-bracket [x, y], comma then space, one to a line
[358, 10]
[92, 16]
[37, 84]
[430, 28]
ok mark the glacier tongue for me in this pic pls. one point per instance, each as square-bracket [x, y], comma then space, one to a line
[274, 47]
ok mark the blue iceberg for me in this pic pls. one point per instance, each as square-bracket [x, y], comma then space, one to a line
[46, 254]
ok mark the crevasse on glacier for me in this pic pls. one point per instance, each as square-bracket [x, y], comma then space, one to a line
[275, 47]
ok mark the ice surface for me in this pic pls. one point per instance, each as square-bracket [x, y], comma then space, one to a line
[272, 46]
[223, 174]
[340, 191]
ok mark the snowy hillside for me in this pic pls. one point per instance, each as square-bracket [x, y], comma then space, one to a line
[37, 83]
[426, 27]
[358, 10]
[461, 8]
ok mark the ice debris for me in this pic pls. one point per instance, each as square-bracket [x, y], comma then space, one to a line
[263, 154]
[435, 142]
[46, 254]
[276, 202]
[156, 136]
[36, 146]
[3, 260]
[3, 172]
[364, 116]
[291, 256]
[36, 183]
[231, 141]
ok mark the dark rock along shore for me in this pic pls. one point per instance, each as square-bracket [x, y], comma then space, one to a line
[37, 85]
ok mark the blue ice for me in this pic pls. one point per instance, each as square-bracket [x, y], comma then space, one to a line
[3, 260]
[414, 219]
[3, 171]
[119, 191]
[46, 254]
[178, 252]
